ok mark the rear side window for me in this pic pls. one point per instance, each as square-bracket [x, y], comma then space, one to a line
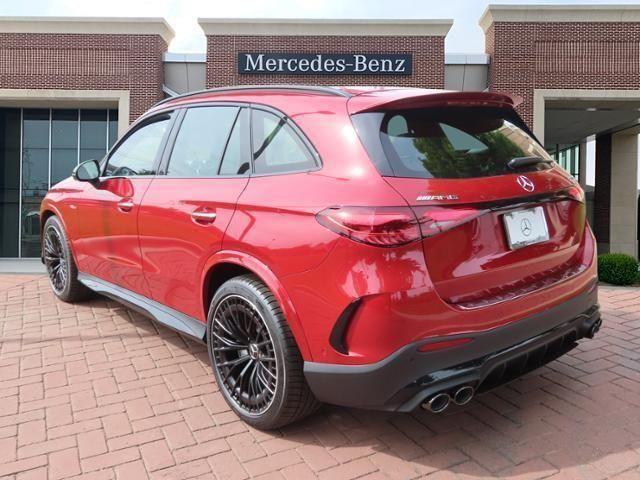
[236, 160]
[202, 138]
[453, 142]
[277, 148]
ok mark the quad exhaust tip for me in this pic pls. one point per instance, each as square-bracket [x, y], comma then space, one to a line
[441, 401]
[438, 403]
[463, 395]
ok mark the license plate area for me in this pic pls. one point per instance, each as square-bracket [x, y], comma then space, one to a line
[525, 227]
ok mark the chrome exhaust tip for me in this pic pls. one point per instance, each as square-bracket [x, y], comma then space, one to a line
[595, 328]
[463, 395]
[438, 403]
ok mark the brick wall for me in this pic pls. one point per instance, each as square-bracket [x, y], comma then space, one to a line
[579, 55]
[85, 62]
[427, 51]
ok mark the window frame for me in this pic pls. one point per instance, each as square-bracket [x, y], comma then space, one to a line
[171, 140]
[180, 112]
[311, 150]
[143, 122]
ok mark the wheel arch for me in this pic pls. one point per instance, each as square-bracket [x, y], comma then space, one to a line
[48, 210]
[227, 264]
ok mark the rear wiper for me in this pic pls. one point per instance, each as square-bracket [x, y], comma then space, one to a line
[519, 162]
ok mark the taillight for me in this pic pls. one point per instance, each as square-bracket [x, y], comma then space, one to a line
[377, 226]
[434, 220]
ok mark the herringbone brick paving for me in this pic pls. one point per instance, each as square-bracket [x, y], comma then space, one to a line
[96, 391]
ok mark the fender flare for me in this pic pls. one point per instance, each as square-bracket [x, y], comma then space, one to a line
[271, 281]
[49, 206]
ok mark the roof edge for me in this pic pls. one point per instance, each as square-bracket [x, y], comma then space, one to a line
[558, 13]
[89, 25]
[325, 27]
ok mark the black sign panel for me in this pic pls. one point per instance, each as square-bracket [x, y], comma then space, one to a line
[325, 63]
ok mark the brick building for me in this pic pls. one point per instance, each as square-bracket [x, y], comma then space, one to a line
[69, 86]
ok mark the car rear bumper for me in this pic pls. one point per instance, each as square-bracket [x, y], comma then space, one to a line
[405, 379]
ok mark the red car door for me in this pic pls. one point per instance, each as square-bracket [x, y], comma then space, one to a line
[106, 245]
[185, 212]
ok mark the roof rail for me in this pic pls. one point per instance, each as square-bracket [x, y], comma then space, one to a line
[308, 88]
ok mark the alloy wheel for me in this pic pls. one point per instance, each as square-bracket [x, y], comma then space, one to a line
[244, 354]
[55, 259]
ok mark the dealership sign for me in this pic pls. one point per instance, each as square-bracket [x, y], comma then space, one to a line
[325, 63]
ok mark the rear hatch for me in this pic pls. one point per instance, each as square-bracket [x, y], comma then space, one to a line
[498, 217]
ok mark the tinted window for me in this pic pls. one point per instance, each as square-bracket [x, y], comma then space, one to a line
[137, 154]
[236, 156]
[446, 142]
[203, 135]
[276, 146]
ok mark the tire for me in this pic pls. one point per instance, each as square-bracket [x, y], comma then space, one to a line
[57, 251]
[245, 356]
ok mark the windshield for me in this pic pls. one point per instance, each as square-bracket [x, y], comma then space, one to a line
[454, 142]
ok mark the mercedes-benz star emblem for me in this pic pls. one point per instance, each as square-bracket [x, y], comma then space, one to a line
[526, 183]
[525, 227]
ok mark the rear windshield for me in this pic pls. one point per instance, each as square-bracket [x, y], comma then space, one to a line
[453, 142]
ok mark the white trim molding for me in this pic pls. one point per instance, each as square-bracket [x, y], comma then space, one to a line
[89, 25]
[540, 97]
[559, 13]
[338, 27]
[15, 97]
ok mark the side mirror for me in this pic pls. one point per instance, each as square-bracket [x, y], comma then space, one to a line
[88, 171]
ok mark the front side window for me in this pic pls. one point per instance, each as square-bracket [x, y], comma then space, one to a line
[137, 154]
[199, 145]
[276, 146]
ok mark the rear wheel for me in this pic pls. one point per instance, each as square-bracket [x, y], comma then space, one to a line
[58, 260]
[255, 359]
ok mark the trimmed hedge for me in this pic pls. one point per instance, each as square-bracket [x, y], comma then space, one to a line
[617, 268]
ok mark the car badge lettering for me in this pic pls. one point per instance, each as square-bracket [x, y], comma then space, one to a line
[426, 198]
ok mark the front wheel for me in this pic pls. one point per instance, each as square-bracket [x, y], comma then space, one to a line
[58, 260]
[255, 359]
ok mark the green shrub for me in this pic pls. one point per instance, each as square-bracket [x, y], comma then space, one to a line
[617, 268]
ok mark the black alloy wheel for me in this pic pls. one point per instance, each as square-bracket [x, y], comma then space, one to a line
[55, 259]
[244, 354]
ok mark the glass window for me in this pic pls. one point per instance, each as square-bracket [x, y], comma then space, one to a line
[113, 127]
[9, 181]
[236, 156]
[35, 176]
[64, 144]
[452, 142]
[137, 154]
[201, 140]
[276, 146]
[93, 134]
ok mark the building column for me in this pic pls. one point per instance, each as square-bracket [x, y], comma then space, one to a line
[582, 163]
[602, 192]
[623, 228]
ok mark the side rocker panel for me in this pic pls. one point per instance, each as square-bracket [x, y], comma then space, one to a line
[164, 315]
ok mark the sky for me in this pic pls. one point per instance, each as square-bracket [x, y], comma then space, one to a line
[465, 35]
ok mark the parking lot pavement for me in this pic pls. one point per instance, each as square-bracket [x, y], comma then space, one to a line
[97, 391]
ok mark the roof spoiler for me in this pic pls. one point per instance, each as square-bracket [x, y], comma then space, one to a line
[440, 99]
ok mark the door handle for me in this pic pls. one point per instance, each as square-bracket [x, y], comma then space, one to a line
[125, 205]
[204, 217]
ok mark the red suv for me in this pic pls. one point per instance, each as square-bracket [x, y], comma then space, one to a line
[379, 248]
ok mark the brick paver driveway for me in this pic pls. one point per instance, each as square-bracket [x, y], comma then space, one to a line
[97, 391]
